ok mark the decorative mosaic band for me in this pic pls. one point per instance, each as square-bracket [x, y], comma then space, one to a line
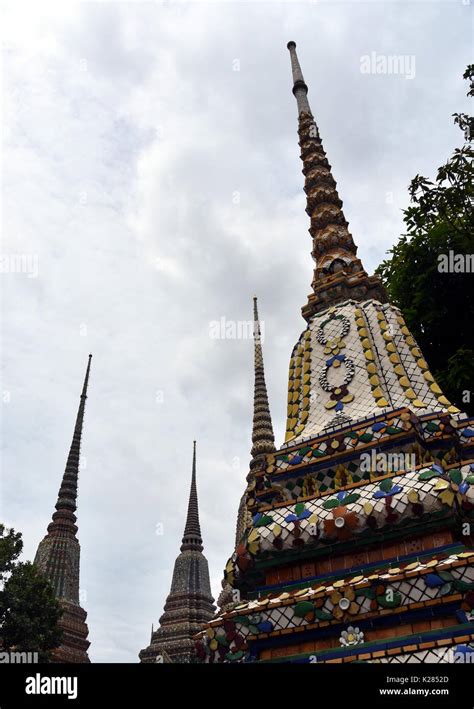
[418, 496]
[322, 465]
[405, 587]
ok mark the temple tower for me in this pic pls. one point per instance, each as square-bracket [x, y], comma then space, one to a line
[263, 440]
[190, 603]
[263, 443]
[357, 542]
[58, 554]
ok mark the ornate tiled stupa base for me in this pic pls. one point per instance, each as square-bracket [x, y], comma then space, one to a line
[75, 631]
[405, 611]
[343, 564]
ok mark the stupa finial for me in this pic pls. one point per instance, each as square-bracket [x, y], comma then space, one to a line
[338, 275]
[192, 532]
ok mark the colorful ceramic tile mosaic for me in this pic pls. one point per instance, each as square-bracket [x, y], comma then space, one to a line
[354, 540]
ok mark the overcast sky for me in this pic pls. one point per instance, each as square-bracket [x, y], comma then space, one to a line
[152, 178]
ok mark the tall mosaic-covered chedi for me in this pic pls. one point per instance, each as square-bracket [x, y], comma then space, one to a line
[354, 537]
[58, 554]
[189, 604]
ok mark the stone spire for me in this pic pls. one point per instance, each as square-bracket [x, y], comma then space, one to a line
[58, 554]
[263, 440]
[338, 274]
[189, 603]
[192, 531]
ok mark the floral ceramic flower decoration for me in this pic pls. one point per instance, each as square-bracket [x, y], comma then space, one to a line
[387, 489]
[447, 425]
[386, 492]
[300, 513]
[261, 520]
[310, 610]
[351, 636]
[454, 486]
[442, 580]
[334, 346]
[336, 443]
[254, 624]
[342, 524]
[342, 498]
[379, 427]
[339, 396]
[378, 591]
[344, 603]
[434, 471]
[385, 427]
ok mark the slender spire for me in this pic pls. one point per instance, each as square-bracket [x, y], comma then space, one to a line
[192, 532]
[67, 496]
[63, 577]
[58, 554]
[263, 440]
[339, 274]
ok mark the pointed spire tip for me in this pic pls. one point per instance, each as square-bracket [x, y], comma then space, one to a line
[192, 531]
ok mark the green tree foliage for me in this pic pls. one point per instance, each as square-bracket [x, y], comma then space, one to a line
[439, 306]
[29, 611]
[10, 549]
